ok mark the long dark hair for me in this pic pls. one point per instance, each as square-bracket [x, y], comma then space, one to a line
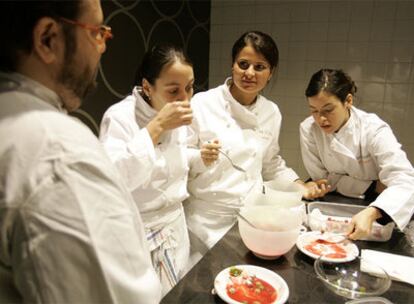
[262, 44]
[334, 82]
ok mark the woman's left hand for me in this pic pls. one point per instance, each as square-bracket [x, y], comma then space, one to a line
[361, 223]
[209, 152]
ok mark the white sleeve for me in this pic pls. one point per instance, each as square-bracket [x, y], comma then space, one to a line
[78, 236]
[193, 146]
[274, 167]
[344, 184]
[395, 172]
[130, 148]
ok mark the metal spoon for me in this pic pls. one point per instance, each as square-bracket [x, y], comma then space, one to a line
[246, 220]
[231, 161]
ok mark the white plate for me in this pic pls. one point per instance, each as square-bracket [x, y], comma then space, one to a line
[223, 278]
[304, 239]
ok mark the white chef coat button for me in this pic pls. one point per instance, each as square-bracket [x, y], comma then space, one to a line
[227, 151]
[228, 125]
[214, 193]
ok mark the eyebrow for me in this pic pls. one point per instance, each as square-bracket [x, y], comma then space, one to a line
[255, 62]
[171, 84]
[177, 84]
[329, 104]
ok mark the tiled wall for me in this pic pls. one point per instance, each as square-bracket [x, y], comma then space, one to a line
[371, 40]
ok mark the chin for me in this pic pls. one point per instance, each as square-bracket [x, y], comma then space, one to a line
[70, 100]
[249, 89]
[73, 104]
[327, 130]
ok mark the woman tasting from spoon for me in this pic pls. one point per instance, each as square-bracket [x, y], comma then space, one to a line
[145, 135]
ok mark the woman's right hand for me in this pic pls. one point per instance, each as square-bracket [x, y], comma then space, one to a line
[315, 189]
[173, 115]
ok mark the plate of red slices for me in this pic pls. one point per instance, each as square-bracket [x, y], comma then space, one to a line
[250, 284]
[315, 245]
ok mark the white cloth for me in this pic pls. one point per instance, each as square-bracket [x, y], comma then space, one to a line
[363, 150]
[170, 251]
[398, 267]
[70, 232]
[156, 176]
[249, 135]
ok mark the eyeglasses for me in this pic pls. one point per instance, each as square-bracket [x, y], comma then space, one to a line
[258, 67]
[101, 33]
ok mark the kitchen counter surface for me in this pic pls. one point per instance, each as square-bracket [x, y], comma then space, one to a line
[294, 267]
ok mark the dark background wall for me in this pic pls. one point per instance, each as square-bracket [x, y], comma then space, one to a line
[137, 26]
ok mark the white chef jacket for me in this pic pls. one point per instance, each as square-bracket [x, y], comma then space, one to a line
[156, 176]
[70, 232]
[363, 150]
[249, 135]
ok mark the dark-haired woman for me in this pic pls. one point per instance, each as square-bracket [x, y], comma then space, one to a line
[145, 135]
[356, 152]
[246, 126]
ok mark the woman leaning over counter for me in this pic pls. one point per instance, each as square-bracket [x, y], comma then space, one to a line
[246, 126]
[356, 152]
[145, 135]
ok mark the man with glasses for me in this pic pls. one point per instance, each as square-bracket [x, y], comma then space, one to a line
[70, 232]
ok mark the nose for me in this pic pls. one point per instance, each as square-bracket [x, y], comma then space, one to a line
[184, 96]
[321, 117]
[250, 71]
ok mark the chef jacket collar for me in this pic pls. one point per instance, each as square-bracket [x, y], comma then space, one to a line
[348, 128]
[345, 136]
[143, 111]
[238, 111]
[18, 82]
